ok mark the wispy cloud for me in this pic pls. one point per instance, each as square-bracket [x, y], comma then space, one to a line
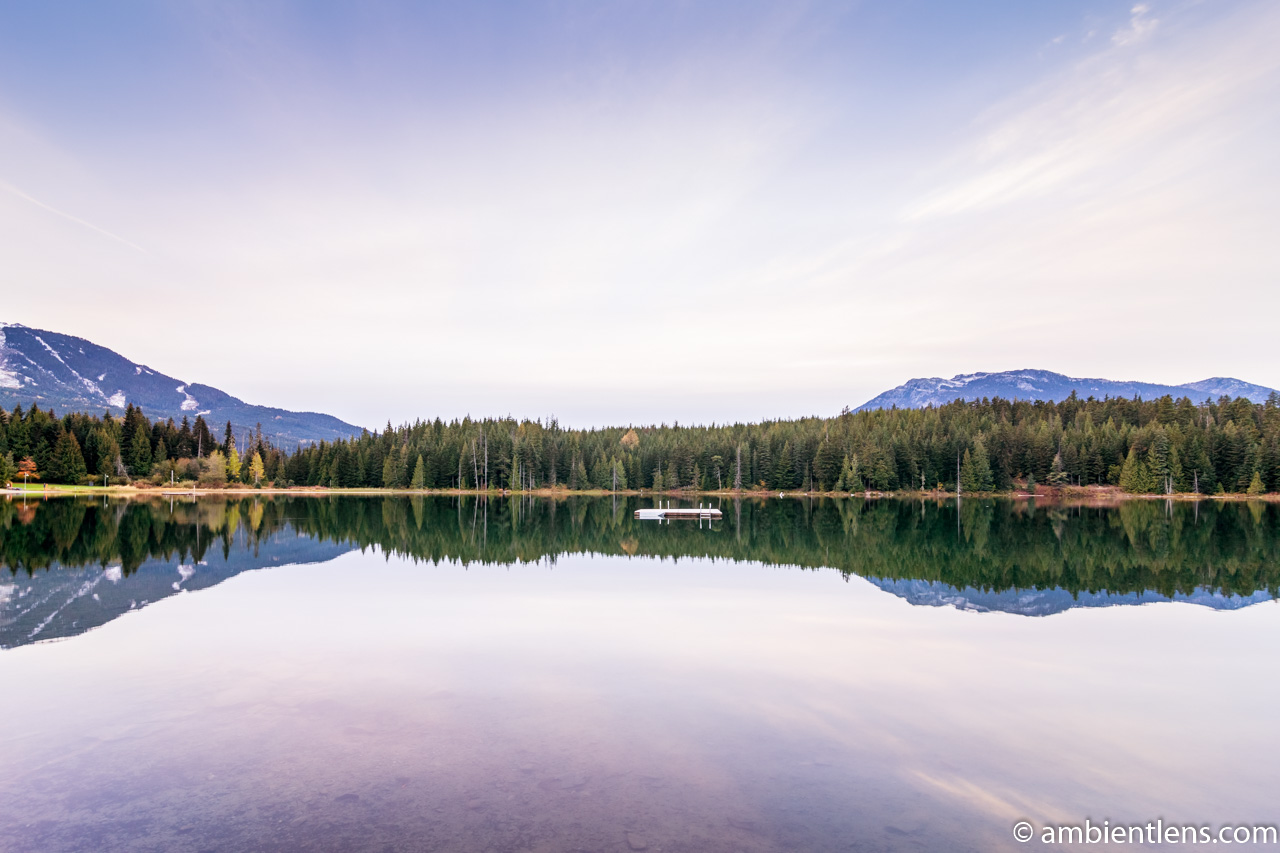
[1113, 112]
[1141, 25]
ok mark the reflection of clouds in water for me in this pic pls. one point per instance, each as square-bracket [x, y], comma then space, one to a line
[716, 705]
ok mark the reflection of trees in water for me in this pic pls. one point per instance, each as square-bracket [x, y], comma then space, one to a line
[987, 544]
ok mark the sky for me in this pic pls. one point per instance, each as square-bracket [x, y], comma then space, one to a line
[635, 212]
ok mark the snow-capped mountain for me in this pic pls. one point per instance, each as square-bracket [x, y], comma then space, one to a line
[1046, 602]
[68, 601]
[74, 375]
[1046, 385]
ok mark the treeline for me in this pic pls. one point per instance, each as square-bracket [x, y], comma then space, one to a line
[82, 448]
[1159, 446]
[985, 544]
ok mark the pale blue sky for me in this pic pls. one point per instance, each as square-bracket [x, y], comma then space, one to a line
[642, 211]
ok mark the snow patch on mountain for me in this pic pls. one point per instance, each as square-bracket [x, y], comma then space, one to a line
[8, 379]
[190, 404]
[116, 399]
[89, 384]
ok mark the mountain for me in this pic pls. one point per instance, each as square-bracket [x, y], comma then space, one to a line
[74, 375]
[1046, 602]
[65, 602]
[1046, 385]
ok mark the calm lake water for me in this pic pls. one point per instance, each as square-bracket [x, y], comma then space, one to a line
[442, 674]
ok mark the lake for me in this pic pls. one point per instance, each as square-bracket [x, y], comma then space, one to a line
[513, 674]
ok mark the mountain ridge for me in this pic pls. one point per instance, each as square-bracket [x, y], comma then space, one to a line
[1034, 384]
[70, 374]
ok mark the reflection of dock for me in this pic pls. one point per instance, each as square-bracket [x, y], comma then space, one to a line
[658, 513]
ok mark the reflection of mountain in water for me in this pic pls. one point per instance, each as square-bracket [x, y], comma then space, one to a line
[52, 605]
[1046, 602]
[75, 564]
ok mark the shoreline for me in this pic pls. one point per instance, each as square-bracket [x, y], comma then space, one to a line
[1074, 495]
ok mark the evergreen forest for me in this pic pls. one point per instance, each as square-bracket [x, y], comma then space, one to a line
[987, 544]
[1162, 446]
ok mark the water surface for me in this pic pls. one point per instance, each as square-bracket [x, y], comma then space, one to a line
[444, 674]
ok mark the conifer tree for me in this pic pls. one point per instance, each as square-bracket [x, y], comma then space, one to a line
[106, 452]
[66, 465]
[784, 469]
[1255, 485]
[419, 474]
[1135, 476]
[979, 477]
[140, 452]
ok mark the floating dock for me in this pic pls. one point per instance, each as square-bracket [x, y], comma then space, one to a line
[659, 513]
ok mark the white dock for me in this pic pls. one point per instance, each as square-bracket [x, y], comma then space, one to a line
[659, 513]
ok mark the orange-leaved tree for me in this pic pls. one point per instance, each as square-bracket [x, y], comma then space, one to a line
[27, 468]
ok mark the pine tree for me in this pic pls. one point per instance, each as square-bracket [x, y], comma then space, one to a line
[978, 478]
[1135, 476]
[70, 461]
[784, 469]
[105, 452]
[1255, 485]
[764, 465]
[140, 454]
[849, 479]
[419, 474]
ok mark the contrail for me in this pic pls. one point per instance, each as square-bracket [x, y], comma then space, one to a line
[38, 203]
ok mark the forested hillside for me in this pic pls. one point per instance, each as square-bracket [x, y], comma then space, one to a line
[1159, 446]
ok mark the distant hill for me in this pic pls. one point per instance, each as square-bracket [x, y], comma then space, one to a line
[1046, 385]
[68, 601]
[74, 375]
[1048, 601]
